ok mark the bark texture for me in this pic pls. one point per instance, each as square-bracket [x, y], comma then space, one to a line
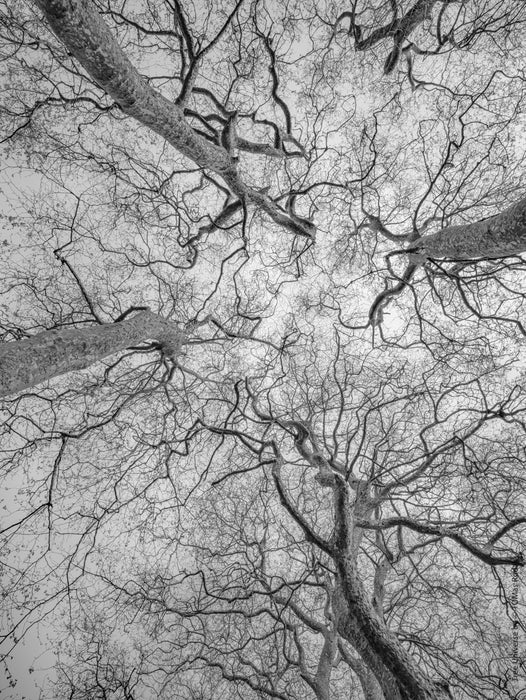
[496, 237]
[26, 363]
[397, 673]
[386, 685]
[395, 670]
[80, 27]
[83, 31]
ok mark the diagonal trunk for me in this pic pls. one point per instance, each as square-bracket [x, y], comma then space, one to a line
[370, 687]
[396, 671]
[26, 363]
[80, 27]
[496, 237]
[386, 686]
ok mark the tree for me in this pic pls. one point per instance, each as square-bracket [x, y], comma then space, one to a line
[330, 414]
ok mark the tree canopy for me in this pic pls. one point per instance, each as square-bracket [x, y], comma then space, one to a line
[261, 369]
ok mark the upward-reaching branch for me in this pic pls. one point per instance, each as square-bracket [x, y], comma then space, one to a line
[83, 31]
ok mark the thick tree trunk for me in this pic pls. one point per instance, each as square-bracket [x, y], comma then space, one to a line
[80, 27]
[397, 674]
[26, 363]
[386, 686]
[498, 236]
[396, 671]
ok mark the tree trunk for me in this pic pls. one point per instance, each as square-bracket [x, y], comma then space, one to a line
[370, 686]
[80, 27]
[386, 686]
[26, 363]
[396, 671]
[496, 237]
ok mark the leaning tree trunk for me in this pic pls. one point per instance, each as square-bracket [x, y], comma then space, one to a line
[397, 673]
[386, 686]
[26, 363]
[496, 237]
[79, 25]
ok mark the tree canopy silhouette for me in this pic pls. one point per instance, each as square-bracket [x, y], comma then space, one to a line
[262, 414]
